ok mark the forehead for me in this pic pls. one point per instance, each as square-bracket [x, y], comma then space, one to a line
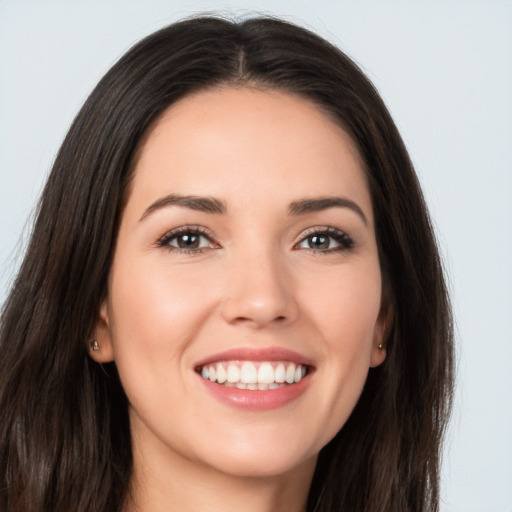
[245, 142]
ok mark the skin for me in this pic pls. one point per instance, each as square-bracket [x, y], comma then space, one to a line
[256, 283]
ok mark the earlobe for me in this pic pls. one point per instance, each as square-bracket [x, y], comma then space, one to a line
[100, 347]
[382, 330]
[378, 355]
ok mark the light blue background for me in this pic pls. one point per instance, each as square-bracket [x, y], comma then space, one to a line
[445, 71]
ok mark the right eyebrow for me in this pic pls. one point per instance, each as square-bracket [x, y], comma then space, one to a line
[197, 203]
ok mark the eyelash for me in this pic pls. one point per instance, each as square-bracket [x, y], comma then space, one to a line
[345, 241]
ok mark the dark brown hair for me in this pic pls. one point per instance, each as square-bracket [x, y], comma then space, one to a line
[64, 430]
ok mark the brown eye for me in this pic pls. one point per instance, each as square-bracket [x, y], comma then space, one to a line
[318, 242]
[188, 241]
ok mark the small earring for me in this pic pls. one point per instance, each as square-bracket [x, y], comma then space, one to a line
[381, 346]
[95, 346]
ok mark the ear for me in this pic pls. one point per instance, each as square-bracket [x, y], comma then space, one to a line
[382, 330]
[103, 351]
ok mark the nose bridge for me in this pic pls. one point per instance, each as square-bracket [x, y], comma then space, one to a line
[259, 288]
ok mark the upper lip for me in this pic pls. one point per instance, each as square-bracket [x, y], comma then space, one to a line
[257, 354]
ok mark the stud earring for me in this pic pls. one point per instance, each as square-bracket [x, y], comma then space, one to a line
[381, 346]
[95, 346]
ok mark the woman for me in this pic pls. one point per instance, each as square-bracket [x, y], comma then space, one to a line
[232, 296]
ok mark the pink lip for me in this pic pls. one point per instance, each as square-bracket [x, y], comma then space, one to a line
[257, 354]
[257, 400]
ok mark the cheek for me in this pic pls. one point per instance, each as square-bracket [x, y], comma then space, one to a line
[154, 314]
[346, 308]
[150, 300]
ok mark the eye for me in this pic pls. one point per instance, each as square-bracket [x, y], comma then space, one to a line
[187, 239]
[325, 240]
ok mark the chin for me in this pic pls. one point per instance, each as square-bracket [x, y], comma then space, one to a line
[264, 466]
[261, 460]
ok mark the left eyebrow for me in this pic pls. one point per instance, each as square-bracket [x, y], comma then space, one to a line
[319, 204]
[198, 203]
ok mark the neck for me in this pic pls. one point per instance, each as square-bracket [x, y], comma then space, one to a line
[163, 482]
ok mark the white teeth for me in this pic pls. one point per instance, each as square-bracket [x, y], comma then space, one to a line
[254, 376]
[221, 374]
[233, 373]
[248, 373]
[280, 373]
[290, 374]
[265, 374]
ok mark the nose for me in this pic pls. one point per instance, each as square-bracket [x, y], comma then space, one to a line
[259, 292]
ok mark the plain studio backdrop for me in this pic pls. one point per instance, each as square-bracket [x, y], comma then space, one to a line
[445, 71]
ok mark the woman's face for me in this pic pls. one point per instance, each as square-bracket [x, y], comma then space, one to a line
[246, 258]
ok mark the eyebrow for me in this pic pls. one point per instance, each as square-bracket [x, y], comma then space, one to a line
[216, 206]
[319, 204]
[197, 203]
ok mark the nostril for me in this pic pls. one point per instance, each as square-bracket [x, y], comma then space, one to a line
[259, 307]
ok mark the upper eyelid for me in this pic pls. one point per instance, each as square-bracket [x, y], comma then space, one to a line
[322, 229]
[188, 228]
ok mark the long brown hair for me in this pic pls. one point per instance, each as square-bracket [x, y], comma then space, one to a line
[64, 432]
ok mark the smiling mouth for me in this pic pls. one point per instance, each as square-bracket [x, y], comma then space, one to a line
[254, 375]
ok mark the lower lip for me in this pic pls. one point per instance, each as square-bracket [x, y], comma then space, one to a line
[257, 400]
